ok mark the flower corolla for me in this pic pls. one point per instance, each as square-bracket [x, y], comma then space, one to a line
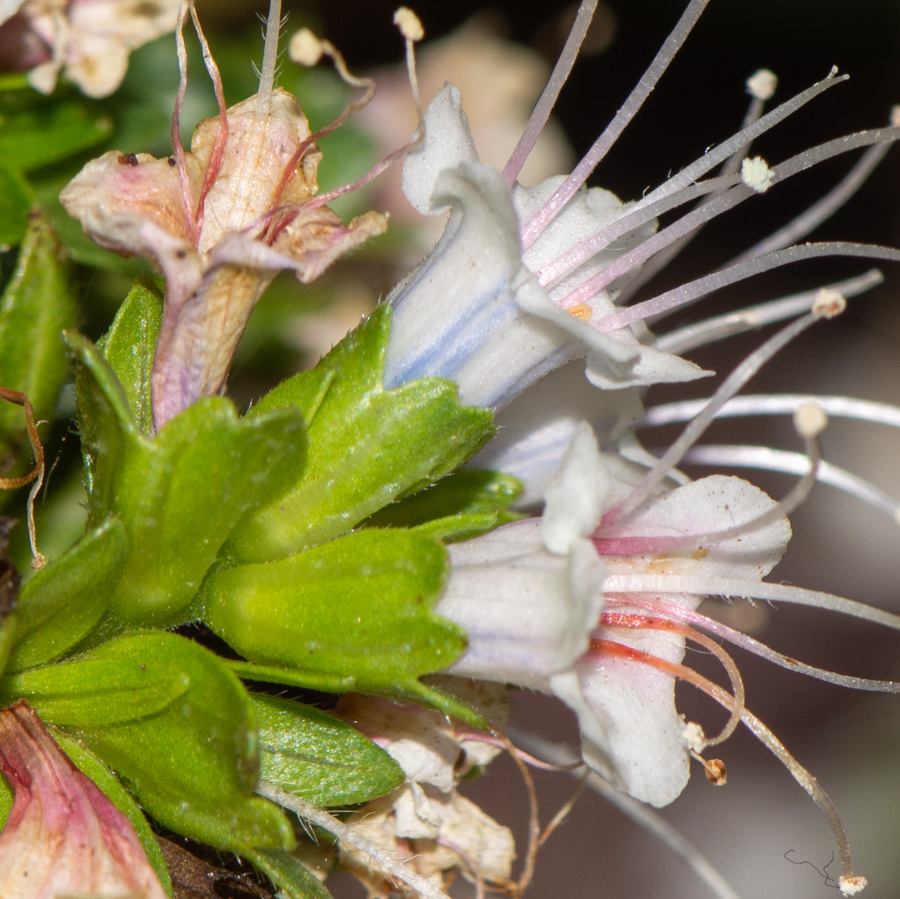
[530, 595]
[474, 311]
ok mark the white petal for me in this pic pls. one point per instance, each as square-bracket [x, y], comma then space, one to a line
[447, 144]
[574, 500]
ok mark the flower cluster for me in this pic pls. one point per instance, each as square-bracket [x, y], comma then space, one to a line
[332, 537]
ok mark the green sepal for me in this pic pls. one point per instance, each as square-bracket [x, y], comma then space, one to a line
[319, 757]
[65, 599]
[16, 199]
[36, 307]
[293, 880]
[180, 493]
[367, 446]
[97, 689]
[193, 765]
[38, 131]
[93, 767]
[359, 605]
[129, 346]
[463, 505]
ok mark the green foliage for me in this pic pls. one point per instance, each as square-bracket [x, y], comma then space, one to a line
[292, 879]
[466, 503]
[129, 347]
[193, 762]
[367, 446]
[319, 757]
[65, 600]
[36, 307]
[180, 493]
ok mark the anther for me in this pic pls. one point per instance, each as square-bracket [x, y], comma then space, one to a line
[828, 303]
[762, 84]
[810, 420]
[581, 311]
[409, 23]
[305, 48]
[756, 174]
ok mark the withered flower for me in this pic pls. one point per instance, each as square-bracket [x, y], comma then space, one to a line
[63, 836]
[219, 221]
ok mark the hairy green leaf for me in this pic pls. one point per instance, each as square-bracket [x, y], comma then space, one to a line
[367, 446]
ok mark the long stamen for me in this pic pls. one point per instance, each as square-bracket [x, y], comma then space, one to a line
[637, 811]
[644, 622]
[760, 86]
[626, 113]
[548, 98]
[751, 318]
[823, 209]
[748, 589]
[810, 421]
[765, 458]
[849, 883]
[778, 404]
[733, 197]
[218, 151]
[658, 606]
[731, 385]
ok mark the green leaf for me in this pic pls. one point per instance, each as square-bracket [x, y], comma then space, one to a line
[92, 767]
[367, 446]
[466, 503]
[96, 689]
[64, 600]
[180, 494]
[194, 764]
[37, 131]
[36, 307]
[16, 199]
[319, 757]
[359, 606]
[129, 347]
[292, 879]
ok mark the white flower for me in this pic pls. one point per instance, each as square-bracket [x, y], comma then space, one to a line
[474, 311]
[530, 596]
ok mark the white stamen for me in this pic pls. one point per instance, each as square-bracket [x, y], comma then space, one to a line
[828, 303]
[551, 91]
[694, 737]
[762, 84]
[305, 48]
[409, 23]
[718, 327]
[756, 174]
[810, 420]
[768, 459]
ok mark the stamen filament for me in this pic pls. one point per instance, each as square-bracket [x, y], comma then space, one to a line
[823, 209]
[777, 404]
[768, 459]
[749, 589]
[731, 385]
[550, 95]
[620, 619]
[626, 113]
[757, 728]
[751, 318]
[656, 606]
[682, 296]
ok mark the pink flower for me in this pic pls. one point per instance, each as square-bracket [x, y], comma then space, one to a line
[220, 222]
[63, 836]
